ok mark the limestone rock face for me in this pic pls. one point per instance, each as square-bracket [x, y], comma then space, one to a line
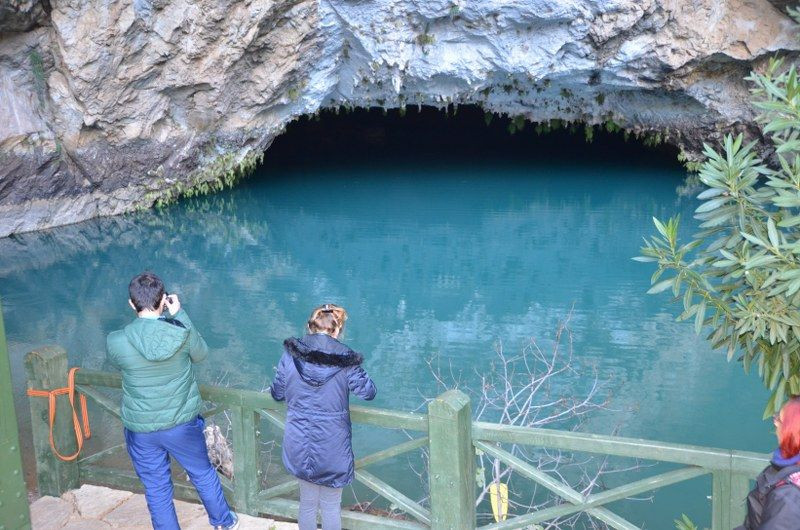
[107, 106]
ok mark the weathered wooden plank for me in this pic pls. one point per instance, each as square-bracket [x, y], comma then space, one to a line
[95, 378]
[14, 513]
[213, 411]
[527, 470]
[391, 452]
[611, 519]
[646, 484]
[97, 456]
[388, 492]
[721, 459]
[598, 499]
[104, 402]
[740, 487]
[127, 480]
[452, 462]
[721, 500]
[279, 489]
[225, 482]
[252, 399]
[278, 419]
[350, 519]
[47, 370]
[389, 419]
[246, 469]
[556, 486]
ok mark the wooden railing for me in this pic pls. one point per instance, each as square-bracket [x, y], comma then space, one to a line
[447, 431]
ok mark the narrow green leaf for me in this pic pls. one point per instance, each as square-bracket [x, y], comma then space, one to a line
[773, 232]
[661, 286]
[700, 317]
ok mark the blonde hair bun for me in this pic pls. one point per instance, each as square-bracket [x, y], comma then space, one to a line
[327, 318]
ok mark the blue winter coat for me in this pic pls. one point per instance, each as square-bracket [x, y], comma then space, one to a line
[315, 376]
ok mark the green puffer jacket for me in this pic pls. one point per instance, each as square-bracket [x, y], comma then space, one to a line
[155, 357]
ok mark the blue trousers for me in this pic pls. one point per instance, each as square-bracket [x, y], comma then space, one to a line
[150, 453]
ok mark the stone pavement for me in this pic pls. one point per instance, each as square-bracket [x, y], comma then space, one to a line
[96, 508]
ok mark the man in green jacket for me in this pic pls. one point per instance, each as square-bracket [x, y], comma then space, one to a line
[161, 402]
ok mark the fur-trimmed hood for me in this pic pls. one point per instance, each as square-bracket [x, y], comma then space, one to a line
[319, 357]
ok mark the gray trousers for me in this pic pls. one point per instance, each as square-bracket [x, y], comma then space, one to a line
[322, 498]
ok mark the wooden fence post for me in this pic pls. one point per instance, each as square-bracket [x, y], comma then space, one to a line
[452, 462]
[245, 458]
[14, 512]
[728, 494]
[47, 369]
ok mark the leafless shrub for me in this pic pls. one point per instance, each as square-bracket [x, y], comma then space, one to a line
[534, 388]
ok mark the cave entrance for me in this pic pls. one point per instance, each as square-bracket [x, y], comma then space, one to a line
[464, 134]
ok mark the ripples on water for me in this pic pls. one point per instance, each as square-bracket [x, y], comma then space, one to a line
[429, 259]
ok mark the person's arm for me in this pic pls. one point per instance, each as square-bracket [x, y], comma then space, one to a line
[110, 353]
[361, 384]
[198, 349]
[782, 508]
[278, 387]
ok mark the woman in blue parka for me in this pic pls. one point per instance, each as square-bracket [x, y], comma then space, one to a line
[315, 376]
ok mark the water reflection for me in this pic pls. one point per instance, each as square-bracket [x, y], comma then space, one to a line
[449, 262]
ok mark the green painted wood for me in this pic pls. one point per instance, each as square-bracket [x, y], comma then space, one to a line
[598, 499]
[213, 411]
[389, 419]
[740, 487]
[126, 479]
[46, 370]
[14, 513]
[350, 520]
[388, 492]
[451, 466]
[246, 468]
[715, 459]
[90, 459]
[283, 488]
[729, 492]
[100, 379]
[556, 486]
[721, 500]
[390, 452]
[646, 484]
[252, 399]
[278, 419]
[611, 519]
[104, 402]
[452, 462]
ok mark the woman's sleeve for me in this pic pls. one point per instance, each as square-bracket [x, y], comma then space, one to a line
[361, 384]
[278, 387]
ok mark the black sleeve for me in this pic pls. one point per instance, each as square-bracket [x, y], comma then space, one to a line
[782, 509]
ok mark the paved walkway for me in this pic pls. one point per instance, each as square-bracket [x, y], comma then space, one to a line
[96, 508]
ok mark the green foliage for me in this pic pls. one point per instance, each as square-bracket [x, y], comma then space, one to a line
[222, 172]
[37, 68]
[516, 124]
[740, 276]
[425, 39]
[684, 523]
[454, 11]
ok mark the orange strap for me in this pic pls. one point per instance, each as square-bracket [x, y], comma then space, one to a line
[70, 391]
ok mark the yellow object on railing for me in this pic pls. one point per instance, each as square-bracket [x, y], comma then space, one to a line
[498, 495]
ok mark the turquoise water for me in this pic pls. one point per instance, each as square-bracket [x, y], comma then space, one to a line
[430, 259]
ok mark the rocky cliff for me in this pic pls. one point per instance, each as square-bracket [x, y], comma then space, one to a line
[108, 106]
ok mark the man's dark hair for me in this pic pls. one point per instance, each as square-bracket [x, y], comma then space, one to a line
[146, 291]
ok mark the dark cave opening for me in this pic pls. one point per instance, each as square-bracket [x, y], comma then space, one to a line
[465, 135]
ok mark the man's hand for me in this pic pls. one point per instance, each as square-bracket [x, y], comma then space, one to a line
[173, 304]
